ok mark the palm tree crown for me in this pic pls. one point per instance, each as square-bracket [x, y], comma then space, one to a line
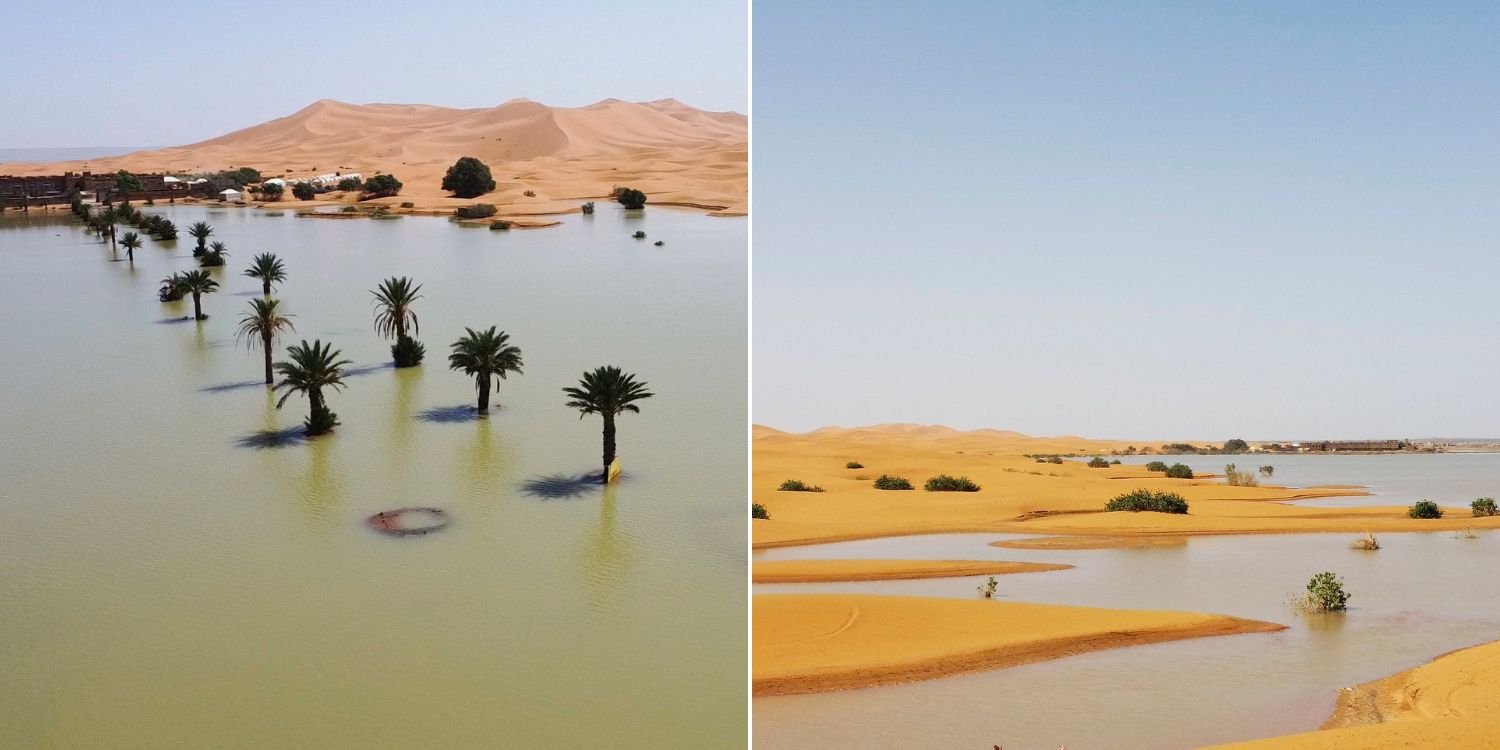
[200, 231]
[198, 283]
[268, 268]
[262, 325]
[607, 390]
[309, 368]
[131, 241]
[393, 301]
[485, 355]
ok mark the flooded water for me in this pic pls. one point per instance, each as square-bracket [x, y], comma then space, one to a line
[1452, 480]
[170, 579]
[1419, 597]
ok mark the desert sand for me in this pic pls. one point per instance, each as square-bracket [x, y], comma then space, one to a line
[820, 571]
[1450, 702]
[806, 643]
[1018, 495]
[677, 154]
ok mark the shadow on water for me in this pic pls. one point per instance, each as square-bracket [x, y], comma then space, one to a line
[267, 439]
[175, 321]
[355, 372]
[226, 387]
[450, 414]
[562, 486]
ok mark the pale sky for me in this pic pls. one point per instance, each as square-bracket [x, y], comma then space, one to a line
[1144, 220]
[157, 73]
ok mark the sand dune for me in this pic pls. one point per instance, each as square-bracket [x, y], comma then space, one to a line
[818, 642]
[675, 153]
[820, 571]
[1450, 702]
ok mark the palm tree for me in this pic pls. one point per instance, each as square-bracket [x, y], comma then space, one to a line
[262, 325]
[198, 283]
[393, 300]
[131, 241]
[269, 269]
[486, 355]
[607, 391]
[106, 226]
[215, 256]
[309, 369]
[171, 288]
[200, 231]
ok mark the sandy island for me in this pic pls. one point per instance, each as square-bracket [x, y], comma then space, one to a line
[1450, 702]
[564, 156]
[807, 643]
[822, 571]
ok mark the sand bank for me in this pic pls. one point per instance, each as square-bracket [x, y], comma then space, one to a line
[1018, 494]
[820, 571]
[807, 643]
[1450, 702]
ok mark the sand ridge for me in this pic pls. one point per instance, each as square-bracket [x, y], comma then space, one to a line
[677, 154]
[822, 571]
[805, 643]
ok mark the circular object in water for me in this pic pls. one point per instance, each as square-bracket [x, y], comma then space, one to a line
[408, 521]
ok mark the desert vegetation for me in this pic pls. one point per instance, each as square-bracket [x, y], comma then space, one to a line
[945, 483]
[1325, 593]
[797, 485]
[1236, 478]
[1484, 506]
[609, 392]
[476, 211]
[1140, 500]
[854, 465]
[1424, 509]
[758, 512]
[630, 198]
[1179, 471]
[468, 178]
[394, 317]
[487, 356]
[1367, 542]
[887, 482]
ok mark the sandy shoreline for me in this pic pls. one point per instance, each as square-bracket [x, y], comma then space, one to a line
[823, 571]
[805, 643]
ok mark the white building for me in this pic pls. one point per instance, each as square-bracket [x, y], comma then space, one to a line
[229, 195]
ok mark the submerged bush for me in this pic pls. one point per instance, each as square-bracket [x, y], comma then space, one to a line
[1424, 509]
[1156, 466]
[854, 465]
[1325, 593]
[759, 511]
[797, 485]
[320, 422]
[1179, 471]
[1098, 463]
[476, 211]
[588, 208]
[886, 482]
[408, 352]
[1366, 542]
[945, 483]
[988, 589]
[1136, 501]
[1484, 506]
[499, 224]
[631, 198]
[639, 234]
[1236, 478]
[1266, 471]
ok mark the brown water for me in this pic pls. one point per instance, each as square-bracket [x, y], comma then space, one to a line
[167, 580]
[1420, 596]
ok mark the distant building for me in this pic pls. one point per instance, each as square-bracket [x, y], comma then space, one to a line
[229, 194]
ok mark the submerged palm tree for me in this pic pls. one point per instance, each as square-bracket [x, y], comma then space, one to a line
[309, 369]
[607, 391]
[262, 325]
[131, 241]
[171, 288]
[269, 269]
[198, 283]
[215, 256]
[393, 313]
[487, 356]
[200, 231]
[105, 226]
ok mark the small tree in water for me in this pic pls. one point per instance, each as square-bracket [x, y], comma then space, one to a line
[1325, 593]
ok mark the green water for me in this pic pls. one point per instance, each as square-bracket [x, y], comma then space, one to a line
[166, 582]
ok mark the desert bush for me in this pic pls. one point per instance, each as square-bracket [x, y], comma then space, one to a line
[854, 465]
[987, 590]
[349, 210]
[1098, 463]
[1156, 466]
[1179, 471]
[758, 511]
[1136, 501]
[1424, 509]
[499, 224]
[1366, 542]
[1266, 471]
[887, 482]
[1236, 446]
[1484, 506]
[640, 235]
[408, 204]
[320, 422]
[468, 178]
[529, 193]
[408, 352]
[1236, 478]
[945, 483]
[352, 183]
[272, 192]
[588, 208]
[1325, 593]
[631, 198]
[382, 186]
[304, 191]
[476, 211]
[797, 485]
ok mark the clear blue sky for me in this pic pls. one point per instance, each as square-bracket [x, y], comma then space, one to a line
[1137, 220]
[157, 73]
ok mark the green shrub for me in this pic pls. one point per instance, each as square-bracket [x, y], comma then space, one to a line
[320, 422]
[272, 192]
[1325, 593]
[353, 183]
[476, 211]
[1156, 466]
[349, 210]
[987, 590]
[382, 186]
[468, 178]
[1054, 460]
[1484, 506]
[1266, 471]
[304, 191]
[1236, 478]
[1179, 471]
[797, 485]
[1147, 500]
[640, 235]
[945, 483]
[631, 198]
[408, 352]
[854, 465]
[758, 511]
[886, 482]
[1236, 446]
[408, 204]
[1424, 509]
[1098, 463]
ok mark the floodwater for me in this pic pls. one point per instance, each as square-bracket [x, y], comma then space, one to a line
[1422, 595]
[1452, 480]
[173, 575]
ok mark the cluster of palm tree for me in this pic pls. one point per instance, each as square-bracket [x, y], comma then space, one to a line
[104, 224]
